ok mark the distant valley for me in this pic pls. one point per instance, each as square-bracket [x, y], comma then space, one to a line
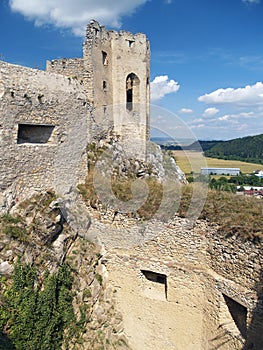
[246, 149]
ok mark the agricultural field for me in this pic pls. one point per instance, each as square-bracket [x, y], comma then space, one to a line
[190, 161]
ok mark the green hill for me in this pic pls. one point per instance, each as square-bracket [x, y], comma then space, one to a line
[248, 149]
[196, 146]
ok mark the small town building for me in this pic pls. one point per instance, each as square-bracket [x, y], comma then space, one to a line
[259, 173]
[220, 171]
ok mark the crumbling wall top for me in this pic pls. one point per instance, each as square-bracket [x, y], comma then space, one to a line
[94, 29]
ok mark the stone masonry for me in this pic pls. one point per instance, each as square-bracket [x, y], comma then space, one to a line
[48, 118]
[176, 287]
[40, 116]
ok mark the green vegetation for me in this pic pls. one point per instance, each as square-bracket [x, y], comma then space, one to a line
[222, 184]
[230, 183]
[14, 227]
[196, 146]
[99, 278]
[204, 144]
[248, 149]
[121, 187]
[34, 314]
[232, 214]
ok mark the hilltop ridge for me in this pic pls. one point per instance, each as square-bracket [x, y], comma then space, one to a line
[249, 149]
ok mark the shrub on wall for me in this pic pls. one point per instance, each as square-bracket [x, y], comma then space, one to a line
[34, 314]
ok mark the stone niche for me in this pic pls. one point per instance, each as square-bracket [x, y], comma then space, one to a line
[154, 285]
[34, 133]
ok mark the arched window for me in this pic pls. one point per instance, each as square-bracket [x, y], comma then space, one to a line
[132, 90]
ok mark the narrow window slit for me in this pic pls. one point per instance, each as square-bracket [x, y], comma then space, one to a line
[105, 58]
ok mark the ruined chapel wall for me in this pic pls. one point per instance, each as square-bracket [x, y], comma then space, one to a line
[38, 98]
[179, 253]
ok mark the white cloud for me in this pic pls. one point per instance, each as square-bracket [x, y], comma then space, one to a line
[185, 111]
[234, 117]
[210, 112]
[251, 1]
[198, 126]
[249, 95]
[75, 14]
[162, 86]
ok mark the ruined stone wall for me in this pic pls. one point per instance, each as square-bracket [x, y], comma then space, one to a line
[98, 78]
[71, 67]
[212, 295]
[239, 263]
[131, 56]
[109, 58]
[43, 123]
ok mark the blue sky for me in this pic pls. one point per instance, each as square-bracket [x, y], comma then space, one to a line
[206, 55]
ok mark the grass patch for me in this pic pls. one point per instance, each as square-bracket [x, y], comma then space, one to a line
[14, 227]
[122, 190]
[15, 232]
[9, 219]
[121, 186]
[234, 215]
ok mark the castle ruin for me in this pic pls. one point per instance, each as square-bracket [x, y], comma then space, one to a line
[48, 118]
[185, 289]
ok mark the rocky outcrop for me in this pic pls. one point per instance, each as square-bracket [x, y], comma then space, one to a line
[39, 233]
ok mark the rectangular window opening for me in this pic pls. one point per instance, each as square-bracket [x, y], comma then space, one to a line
[238, 313]
[156, 277]
[33, 133]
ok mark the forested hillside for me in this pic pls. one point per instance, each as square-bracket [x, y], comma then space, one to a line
[196, 146]
[249, 149]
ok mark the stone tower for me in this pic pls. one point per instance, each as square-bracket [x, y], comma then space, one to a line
[117, 82]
